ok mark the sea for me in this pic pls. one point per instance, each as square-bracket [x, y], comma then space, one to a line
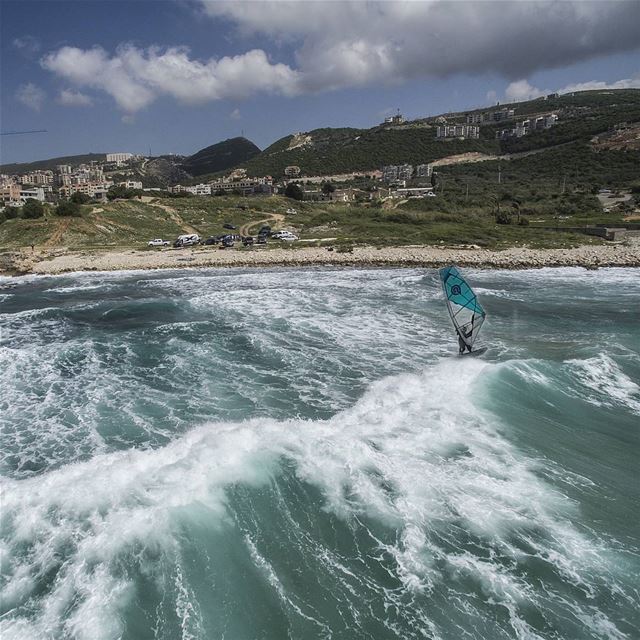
[242, 454]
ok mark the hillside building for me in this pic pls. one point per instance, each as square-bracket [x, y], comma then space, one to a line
[460, 131]
[119, 158]
[424, 171]
[292, 171]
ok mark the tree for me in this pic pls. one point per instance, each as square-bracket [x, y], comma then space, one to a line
[327, 188]
[32, 208]
[79, 198]
[294, 191]
[68, 209]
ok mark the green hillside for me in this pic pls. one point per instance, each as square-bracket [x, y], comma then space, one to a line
[220, 157]
[328, 151]
[51, 163]
[343, 150]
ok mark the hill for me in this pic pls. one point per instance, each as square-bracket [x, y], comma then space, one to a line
[220, 156]
[330, 151]
[51, 163]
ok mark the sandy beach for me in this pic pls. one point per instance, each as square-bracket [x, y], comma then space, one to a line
[62, 260]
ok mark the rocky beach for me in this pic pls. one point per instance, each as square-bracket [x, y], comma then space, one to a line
[57, 261]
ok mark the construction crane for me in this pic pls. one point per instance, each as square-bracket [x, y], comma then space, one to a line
[19, 133]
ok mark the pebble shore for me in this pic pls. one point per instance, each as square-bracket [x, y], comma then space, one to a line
[63, 261]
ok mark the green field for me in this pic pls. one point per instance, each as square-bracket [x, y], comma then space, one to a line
[450, 219]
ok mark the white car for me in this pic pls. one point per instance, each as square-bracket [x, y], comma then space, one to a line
[158, 242]
[284, 235]
[430, 194]
[291, 211]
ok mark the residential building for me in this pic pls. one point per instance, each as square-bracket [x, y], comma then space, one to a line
[119, 158]
[476, 118]
[91, 189]
[36, 193]
[63, 168]
[10, 193]
[502, 114]
[424, 171]
[405, 171]
[131, 184]
[199, 189]
[461, 131]
[390, 173]
[292, 171]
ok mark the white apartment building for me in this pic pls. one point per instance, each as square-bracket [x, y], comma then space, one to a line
[199, 189]
[119, 158]
[131, 184]
[91, 189]
[292, 171]
[461, 131]
[37, 193]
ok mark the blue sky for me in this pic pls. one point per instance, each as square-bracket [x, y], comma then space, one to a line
[178, 75]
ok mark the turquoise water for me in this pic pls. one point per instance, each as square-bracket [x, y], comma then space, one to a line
[266, 454]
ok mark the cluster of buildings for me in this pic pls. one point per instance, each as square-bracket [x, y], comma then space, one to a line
[49, 185]
[236, 182]
[525, 127]
[396, 173]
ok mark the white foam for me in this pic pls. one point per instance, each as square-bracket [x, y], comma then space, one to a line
[409, 454]
[609, 385]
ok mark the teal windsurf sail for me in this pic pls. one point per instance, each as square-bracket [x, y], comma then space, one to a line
[466, 313]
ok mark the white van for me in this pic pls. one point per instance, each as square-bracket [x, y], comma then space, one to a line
[187, 240]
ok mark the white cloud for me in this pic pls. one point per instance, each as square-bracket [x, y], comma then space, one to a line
[235, 114]
[71, 98]
[136, 77]
[27, 45]
[353, 43]
[356, 43]
[626, 83]
[31, 96]
[521, 90]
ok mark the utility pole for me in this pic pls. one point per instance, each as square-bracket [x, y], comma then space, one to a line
[564, 183]
[499, 174]
[467, 196]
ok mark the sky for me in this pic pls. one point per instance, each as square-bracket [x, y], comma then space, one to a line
[174, 76]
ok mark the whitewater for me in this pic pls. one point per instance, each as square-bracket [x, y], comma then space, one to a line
[299, 453]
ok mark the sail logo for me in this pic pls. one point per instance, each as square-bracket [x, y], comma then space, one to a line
[455, 290]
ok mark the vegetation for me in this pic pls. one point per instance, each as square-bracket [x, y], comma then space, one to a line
[32, 209]
[220, 157]
[68, 208]
[294, 191]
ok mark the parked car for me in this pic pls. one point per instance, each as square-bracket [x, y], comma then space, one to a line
[261, 240]
[211, 240]
[158, 242]
[265, 230]
[247, 241]
[284, 235]
[227, 242]
[228, 225]
[291, 211]
[430, 194]
[187, 240]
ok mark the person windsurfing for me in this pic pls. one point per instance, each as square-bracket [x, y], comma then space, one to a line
[467, 315]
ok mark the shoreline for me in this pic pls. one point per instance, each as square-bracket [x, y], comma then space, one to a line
[58, 261]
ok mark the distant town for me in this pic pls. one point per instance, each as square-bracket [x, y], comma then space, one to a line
[103, 180]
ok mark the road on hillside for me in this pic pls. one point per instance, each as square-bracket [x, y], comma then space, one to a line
[245, 229]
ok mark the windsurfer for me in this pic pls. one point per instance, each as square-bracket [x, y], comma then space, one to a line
[462, 345]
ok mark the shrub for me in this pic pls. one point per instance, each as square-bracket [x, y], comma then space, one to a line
[79, 198]
[32, 209]
[503, 217]
[294, 191]
[68, 209]
[523, 222]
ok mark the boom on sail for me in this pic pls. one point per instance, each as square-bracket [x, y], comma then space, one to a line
[466, 313]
